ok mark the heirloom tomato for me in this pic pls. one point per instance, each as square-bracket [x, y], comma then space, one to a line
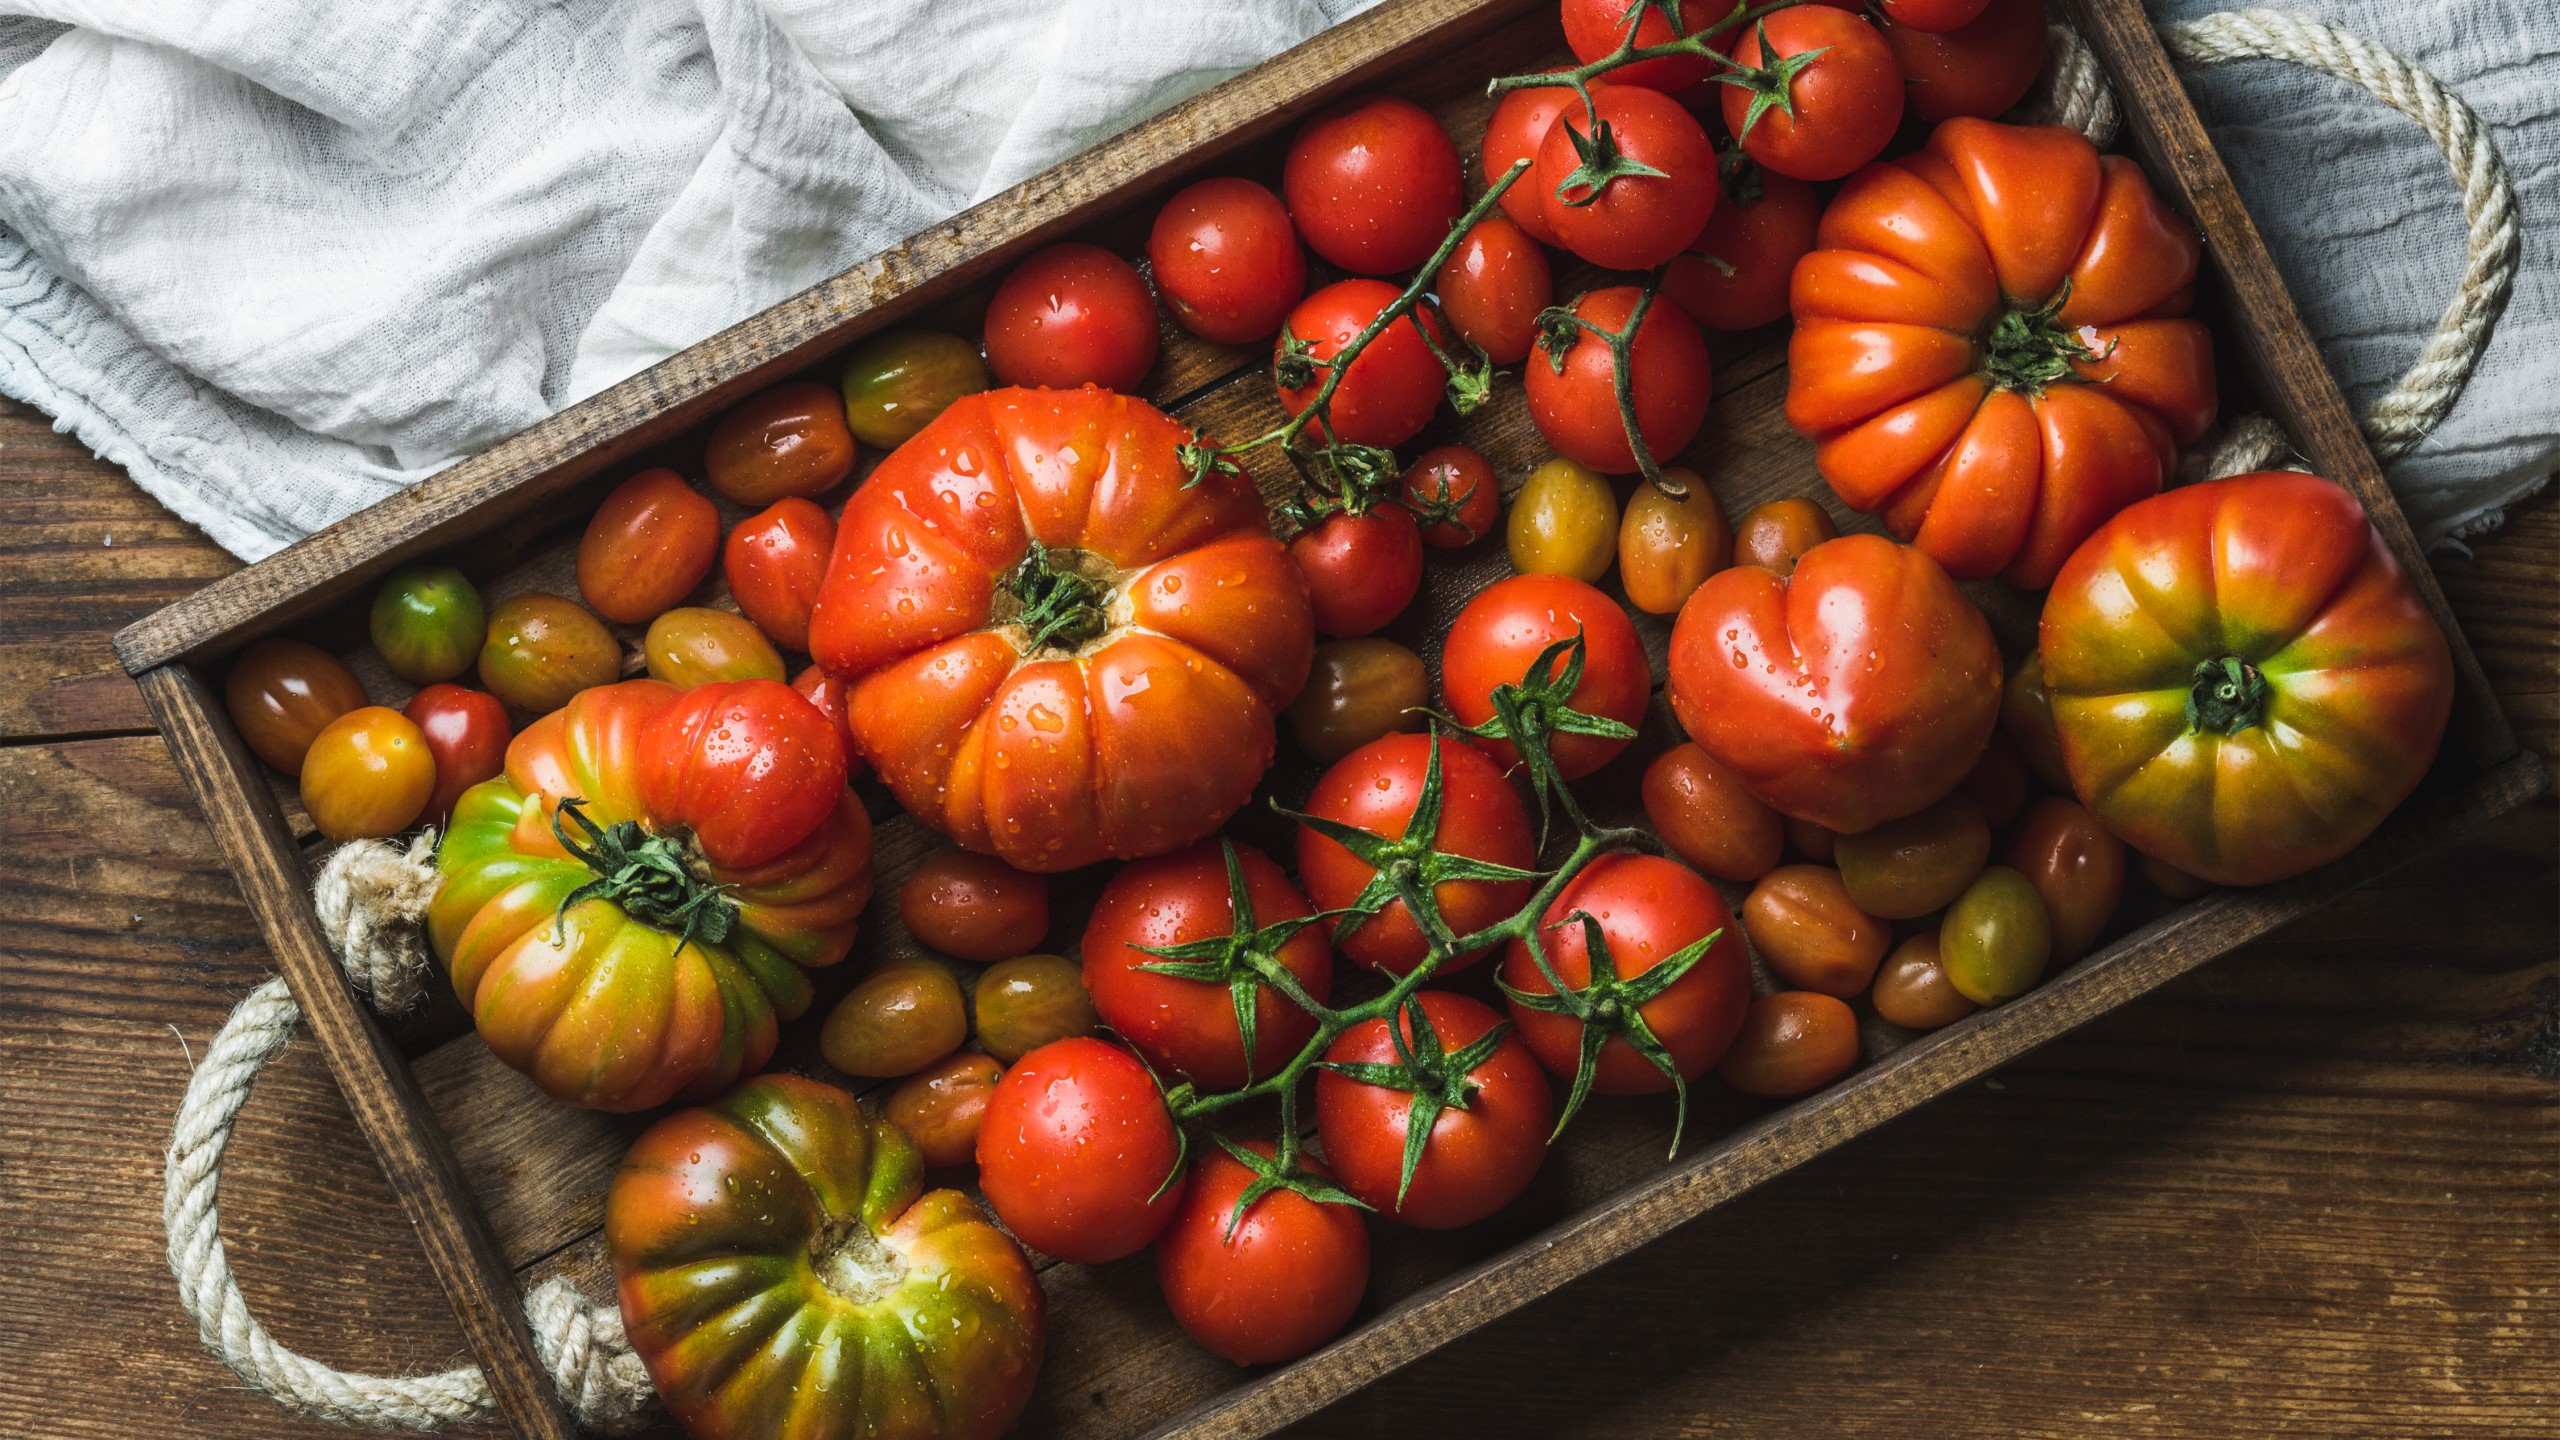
[774, 562]
[1379, 789]
[1486, 1112]
[1564, 521]
[942, 1106]
[1792, 1043]
[1073, 314]
[1912, 990]
[1903, 869]
[697, 645]
[1450, 489]
[1272, 1283]
[1226, 260]
[751, 766]
[791, 440]
[1979, 68]
[1374, 185]
[1735, 276]
[783, 1271]
[1357, 691]
[1668, 547]
[1708, 817]
[2243, 680]
[1937, 15]
[1855, 691]
[1390, 390]
[2076, 866]
[1497, 639]
[1519, 125]
[1594, 28]
[596, 945]
[467, 733]
[828, 693]
[1639, 217]
[1078, 1153]
[1811, 933]
[428, 623]
[1362, 568]
[1493, 287]
[974, 907]
[1028, 1001]
[1572, 392]
[1775, 534]
[895, 384]
[282, 693]
[647, 546]
[897, 1020]
[1996, 939]
[1991, 348]
[1821, 99]
[542, 649]
[1060, 651]
[368, 774]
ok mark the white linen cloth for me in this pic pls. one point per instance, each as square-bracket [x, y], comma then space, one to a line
[279, 258]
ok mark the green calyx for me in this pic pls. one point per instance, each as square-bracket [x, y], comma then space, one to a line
[1529, 714]
[1612, 1006]
[2226, 696]
[1603, 160]
[645, 874]
[1055, 599]
[1280, 1172]
[1772, 82]
[1243, 960]
[1438, 1080]
[2027, 350]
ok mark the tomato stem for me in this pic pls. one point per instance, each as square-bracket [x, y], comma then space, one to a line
[1559, 330]
[2027, 349]
[646, 875]
[1057, 602]
[2226, 696]
[1698, 43]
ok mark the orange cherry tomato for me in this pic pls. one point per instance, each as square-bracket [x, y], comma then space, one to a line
[789, 440]
[467, 733]
[974, 907]
[281, 693]
[649, 544]
[1775, 535]
[1912, 990]
[1792, 1043]
[542, 649]
[1708, 817]
[941, 1106]
[774, 562]
[1493, 287]
[697, 645]
[367, 775]
[1666, 547]
[2077, 865]
[1451, 490]
[1802, 921]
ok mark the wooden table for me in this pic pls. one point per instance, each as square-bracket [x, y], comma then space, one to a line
[2309, 1190]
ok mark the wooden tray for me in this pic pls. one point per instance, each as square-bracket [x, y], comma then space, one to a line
[505, 1187]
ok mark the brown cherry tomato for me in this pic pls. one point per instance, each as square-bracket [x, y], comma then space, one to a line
[467, 733]
[941, 1106]
[1708, 817]
[647, 546]
[1667, 547]
[1452, 492]
[697, 645]
[2171, 881]
[1357, 690]
[774, 562]
[895, 384]
[1912, 990]
[899, 1019]
[1775, 535]
[1997, 785]
[1026, 1002]
[1493, 287]
[789, 440]
[1792, 1043]
[1564, 521]
[1904, 869]
[542, 649]
[281, 693]
[1996, 938]
[1813, 936]
[368, 774]
[974, 907]
[1813, 842]
[2026, 716]
[2077, 865]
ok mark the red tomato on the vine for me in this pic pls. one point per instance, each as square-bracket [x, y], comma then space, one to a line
[1821, 115]
[1518, 126]
[1480, 1155]
[1493, 287]
[1377, 788]
[1452, 490]
[1504, 629]
[1735, 277]
[1282, 1282]
[1649, 910]
[1596, 27]
[467, 733]
[774, 562]
[1076, 1151]
[1670, 377]
[1362, 570]
[1391, 390]
[1374, 185]
[1633, 221]
[1979, 67]
[1072, 315]
[1226, 260]
[751, 764]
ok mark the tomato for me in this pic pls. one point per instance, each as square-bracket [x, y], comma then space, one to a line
[895, 384]
[1451, 491]
[368, 774]
[1140, 714]
[1828, 99]
[1077, 1152]
[751, 765]
[1997, 784]
[1576, 407]
[1597, 27]
[1666, 547]
[1811, 841]
[467, 733]
[2244, 681]
[1373, 185]
[1226, 260]
[899, 1019]
[1811, 933]
[1389, 393]
[1708, 817]
[1996, 938]
[1855, 691]
[1981, 67]
[282, 693]
[791, 440]
[1990, 347]
[1493, 287]
[1792, 1043]
[1362, 569]
[542, 650]
[974, 907]
[2026, 717]
[428, 623]
[878, 1308]
[1357, 691]
[1939, 15]
[2076, 866]
[1735, 276]
[1518, 126]
[1378, 789]
[1073, 314]
[1028, 1001]
[1282, 1281]
[697, 645]
[1564, 521]
[1904, 869]
[1912, 990]
[941, 1107]
[1191, 1022]
[1638, 219]
[774, 562]
[1495, 640]
[666, 977]
[647, 546]
[1484, 1105]
[1775, 534]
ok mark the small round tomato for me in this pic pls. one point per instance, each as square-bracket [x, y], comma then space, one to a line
[1792, 1043]
[754, 768]
[941, 1106]
[1996, 938]
[1377, 788]
[897, 1020]
[2026, 717]
[1671, 381]
[467, 733]
[1451, 491]
[1519, 124]
[1824, 98]
[1077, 1152]
[1641, 218]
[1073, 314]
[1389, 393]
[428, 623]
[1488, 1122]
[1648, 910]
[1904, 869]
[1811, 933]
[1775, 534]
[786, 441]
[2076, 865]
[1912, 990]
[1564, 521]
[696, 645]
[974, 907]
[1735, 276]
[1281, 1282]
[1939, 15]
[1028, 1001]
[281, 693]
[1980, 67]
[895, 384]
[1374, 185]
[1362, 569]
[774, 562]
[1356, 691]
[1668, 547]
[1596, 27]
[368, 774]
[1226, 260]
[1500, 635]
[1493, 287]
[542, 649]
[647, 546]
[1710, 818]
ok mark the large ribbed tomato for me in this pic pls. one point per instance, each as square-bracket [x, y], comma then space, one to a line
[1991, 347]
[597, 946]
[2243, 680]
[1058, 652]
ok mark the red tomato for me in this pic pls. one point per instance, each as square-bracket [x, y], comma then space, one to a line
[1735, 276]
[1362, 570]
[1493, 288]
[1649, 910]
[1074, 314]
[1673, 381]
[828, 693]
[467, 733]
[1389, 393]
[1501, 632]
[974, 907]
[774, 562]
[1376, 788]
[750, 765]
[789, 440]
[1282, 1283]
[1451, 491]
[1488, 1122]
[1940, 15]
[1226, 260]
[1374, 185]
[1826, 116]
[1635, 221]
[1077, 1152]
[1185, 901]
[1979, 66]
[1518, 126]
[647, 546]
[1596, 27]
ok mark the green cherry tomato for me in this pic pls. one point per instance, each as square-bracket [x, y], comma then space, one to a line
[1996, 938]
[1026, 1002]
[696, 645]
[895, 384]
[428, 623]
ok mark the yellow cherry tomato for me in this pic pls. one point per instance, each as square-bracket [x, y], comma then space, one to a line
[697, 645]
[367, 774]
[1667, 547]
[1564, 521]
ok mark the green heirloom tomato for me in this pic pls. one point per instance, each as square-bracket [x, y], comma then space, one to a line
[1996, 938]
[895, 384]
[428, 623]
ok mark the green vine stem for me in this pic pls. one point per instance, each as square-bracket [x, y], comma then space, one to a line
[1699, 43]
[1560, 329]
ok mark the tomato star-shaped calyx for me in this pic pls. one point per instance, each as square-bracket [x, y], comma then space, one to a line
[1610, 1006]
[1410, 867]
[1425, 1069]
[1772, 85]
[1528, 713]
[1244, 959]
[1294, 366]
[1279, 1172]
[643, 873]
[2027, 349]
[1055, 600]
[1602, 162]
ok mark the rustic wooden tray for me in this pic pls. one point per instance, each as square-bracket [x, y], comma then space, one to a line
[505, 1187]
